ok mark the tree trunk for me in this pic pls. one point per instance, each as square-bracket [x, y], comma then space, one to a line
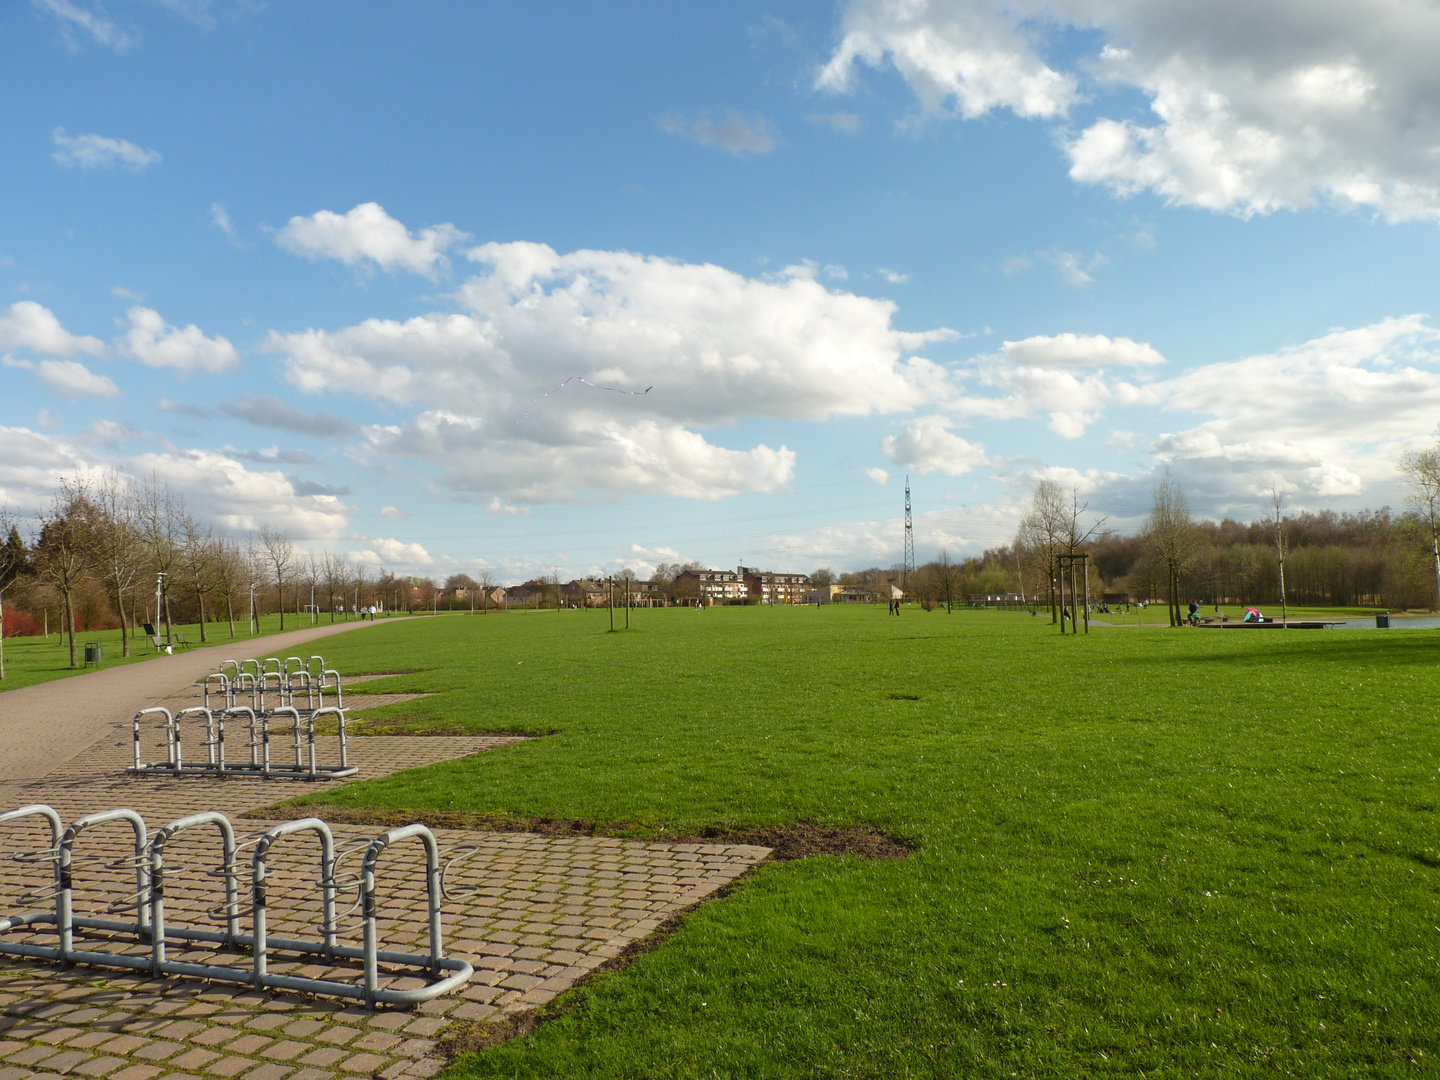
[2, 634]
[230, 613]
[124, 637]
[280, 595]
[1435, 548]
[1284, 609]
[200, 600]
[70, 623]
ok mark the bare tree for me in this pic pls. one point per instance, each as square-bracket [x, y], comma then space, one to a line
[1422, 473]
[279, 556]
[309, 575]
[487, 585]
[160, 515]
[14, 561]
[255, 570]
[951, 577]
[65, 546]
[334, 569]
[120, 553]
[1170, 535]
[1281, 536]
[359, 573]
[231, 575]
[1041, 534]
[197, 563]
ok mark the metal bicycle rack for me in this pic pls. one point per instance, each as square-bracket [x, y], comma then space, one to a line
[152, 932]
[297, 689]
[307, 765]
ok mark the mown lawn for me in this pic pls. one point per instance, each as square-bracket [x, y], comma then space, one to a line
[30, 660]
[1190, 853]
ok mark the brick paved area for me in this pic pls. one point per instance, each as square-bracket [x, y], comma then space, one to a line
[538, 915]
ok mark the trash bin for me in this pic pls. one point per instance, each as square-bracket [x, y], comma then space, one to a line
[94, 653]
[1382, 622]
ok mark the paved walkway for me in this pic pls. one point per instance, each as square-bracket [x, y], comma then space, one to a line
[48, 723]
[538, 914]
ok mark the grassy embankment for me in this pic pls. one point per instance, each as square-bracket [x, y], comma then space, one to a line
[1193, 853]
[30, 660]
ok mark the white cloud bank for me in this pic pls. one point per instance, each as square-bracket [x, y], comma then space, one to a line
[99, 152]
[1329, 417]
[1257, 106]
[240, 500]
[368, 235]
[716, 348]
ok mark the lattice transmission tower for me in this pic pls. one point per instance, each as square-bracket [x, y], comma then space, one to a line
[909, 570]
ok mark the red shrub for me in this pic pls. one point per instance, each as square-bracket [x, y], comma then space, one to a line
[18, 624]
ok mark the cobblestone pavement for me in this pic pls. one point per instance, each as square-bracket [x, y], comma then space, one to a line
[532, 915]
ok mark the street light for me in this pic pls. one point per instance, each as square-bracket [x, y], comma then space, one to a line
[159, 599]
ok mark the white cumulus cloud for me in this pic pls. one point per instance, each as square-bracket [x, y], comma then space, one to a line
[1081, 350]
[389, 552]
[158, 345]
[926, 445]
[1255, 107]
[240, 500]
[100, 152]
[965, 58]
[72, 379]
[367, 234]
[662, 348]
[28, 325]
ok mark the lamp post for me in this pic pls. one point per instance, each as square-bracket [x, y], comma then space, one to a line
[160, 612]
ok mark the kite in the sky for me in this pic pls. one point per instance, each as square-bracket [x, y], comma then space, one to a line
[587, 382]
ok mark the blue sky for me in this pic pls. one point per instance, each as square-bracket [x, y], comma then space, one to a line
[311, 265]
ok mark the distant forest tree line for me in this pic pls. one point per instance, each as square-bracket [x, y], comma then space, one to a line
[1363, 559]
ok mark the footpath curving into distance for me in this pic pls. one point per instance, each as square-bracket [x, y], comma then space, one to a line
[45, 725]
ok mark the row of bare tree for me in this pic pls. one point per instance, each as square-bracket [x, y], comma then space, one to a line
[1367, 558]
[140, 547]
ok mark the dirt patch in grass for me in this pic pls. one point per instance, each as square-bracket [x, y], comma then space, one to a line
[786, 842]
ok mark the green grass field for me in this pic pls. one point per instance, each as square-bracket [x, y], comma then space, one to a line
[1177, 852]
[30, 660]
